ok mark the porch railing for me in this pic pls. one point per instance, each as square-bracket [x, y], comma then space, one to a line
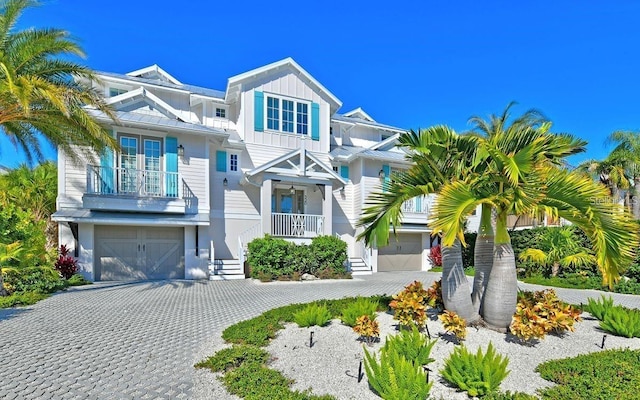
[522, 221]
[132, 182]
[417, 205]
[296, 225]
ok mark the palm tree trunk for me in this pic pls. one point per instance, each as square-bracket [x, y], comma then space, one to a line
[482, 257]
[635, 205]
[555, 268]
[500, 296]
[456, 292]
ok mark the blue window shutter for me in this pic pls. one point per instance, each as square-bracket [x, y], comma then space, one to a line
[344, 171]
[106, 172]
[419, 204]
[221, 161]
[258, 114]
[171, 165]
[315, 121]
[387, 177]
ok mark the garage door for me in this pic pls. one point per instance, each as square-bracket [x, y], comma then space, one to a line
[404, 253]
[133, 253]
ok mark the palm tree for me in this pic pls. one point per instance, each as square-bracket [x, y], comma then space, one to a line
[43, 93]
[627, 152]
[559, 247]
[611, 172]
[438, 155]
[34, 189]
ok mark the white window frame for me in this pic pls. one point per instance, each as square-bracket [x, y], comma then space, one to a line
[295, 101]
[221, 112]
[119, 89]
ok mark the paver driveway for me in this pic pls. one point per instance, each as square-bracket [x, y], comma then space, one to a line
[140, 340]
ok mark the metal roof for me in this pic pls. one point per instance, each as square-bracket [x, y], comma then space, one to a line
[160, 122]
[355, 120]
[117, 218]
[350, 152]
[218, 94]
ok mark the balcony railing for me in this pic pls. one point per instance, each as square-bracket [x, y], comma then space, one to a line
[417, 205]
[522, 221]
[297, 225]
[132, 182]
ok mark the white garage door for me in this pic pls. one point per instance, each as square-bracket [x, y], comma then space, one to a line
[133, 253]
[404, 253]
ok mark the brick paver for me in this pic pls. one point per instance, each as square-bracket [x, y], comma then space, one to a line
[140, 340]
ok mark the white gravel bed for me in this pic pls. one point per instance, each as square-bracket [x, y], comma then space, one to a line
[331, 365]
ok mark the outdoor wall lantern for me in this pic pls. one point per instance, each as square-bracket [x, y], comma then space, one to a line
[181, 151]
[292, 190]
[381, 175]
[225, 182]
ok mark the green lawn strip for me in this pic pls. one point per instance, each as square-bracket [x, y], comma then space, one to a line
[610, 374]
[470, 271]
[22, 299]
[244, 368]
[581, 282]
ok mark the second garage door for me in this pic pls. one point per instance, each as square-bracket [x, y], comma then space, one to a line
[404, 253]
[135, 252]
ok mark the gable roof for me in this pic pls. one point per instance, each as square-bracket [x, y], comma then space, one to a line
[234, 82]
[341, 118]
[149, 72]
[141, 94]
[350, 153]
[359, 113]
[301, 169]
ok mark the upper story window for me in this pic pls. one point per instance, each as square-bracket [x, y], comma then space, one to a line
[302, 118]
[221, 113]
[288, 116]
[273, 113]
[116, 92]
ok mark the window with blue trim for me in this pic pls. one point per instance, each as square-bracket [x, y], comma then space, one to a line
[233, 162]
[287, 115]
[273, 113]
[302, 119]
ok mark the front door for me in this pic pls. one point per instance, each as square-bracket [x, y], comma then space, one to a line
[289, 201]
[139, 170]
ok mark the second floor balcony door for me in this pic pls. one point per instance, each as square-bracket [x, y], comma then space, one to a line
[288, 201]
[139, 171]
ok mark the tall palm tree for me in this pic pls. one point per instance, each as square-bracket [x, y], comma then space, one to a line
[611, 172]
[43, 93]
[438, 155]
[627, 152]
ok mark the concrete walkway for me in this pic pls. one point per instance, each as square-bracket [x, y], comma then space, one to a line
[140, 340]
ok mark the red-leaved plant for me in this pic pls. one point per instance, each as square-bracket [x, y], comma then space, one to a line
[66, 265]
[435, 255]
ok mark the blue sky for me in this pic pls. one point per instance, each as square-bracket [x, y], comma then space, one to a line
[408, 65]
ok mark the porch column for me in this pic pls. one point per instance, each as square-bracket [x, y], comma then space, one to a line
[265, 205]
[327, 209]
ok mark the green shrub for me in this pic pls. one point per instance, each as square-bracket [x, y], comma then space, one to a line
[412, 345]
[77, 280]
[18, 225]
[329, 252]
[598, 308]
[622, 321]
[257, 331]
[509, 396]
[21, 299]
[233, 357]
[267, 255]
[311, 315]
[396, 378]
[360, 307]
[32, 279]
[254, 381]
[611, 374]
[300, 259]
[477, 374]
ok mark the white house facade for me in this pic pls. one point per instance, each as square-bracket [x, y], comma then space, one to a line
[202, 172]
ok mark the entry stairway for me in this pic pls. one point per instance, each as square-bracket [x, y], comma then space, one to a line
[224, 270]
[357, 266]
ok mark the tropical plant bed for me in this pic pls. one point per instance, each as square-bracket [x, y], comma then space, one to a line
[330, 365]
[577, 281]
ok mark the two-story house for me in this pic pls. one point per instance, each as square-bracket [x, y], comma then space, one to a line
[202, 172]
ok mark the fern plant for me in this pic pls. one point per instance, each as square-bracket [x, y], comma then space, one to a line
[359, 308]
[412, 345]
[396, 378]
[477, 374]
[598, 308]
[622, 321]
[312, 315]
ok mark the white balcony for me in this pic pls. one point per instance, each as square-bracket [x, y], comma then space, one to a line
[417, 209]
[296, 225]
[126, 189]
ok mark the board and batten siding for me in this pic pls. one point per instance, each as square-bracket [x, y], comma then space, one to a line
[233, 198]
[286, 84]
[193, 167]
[74, 178]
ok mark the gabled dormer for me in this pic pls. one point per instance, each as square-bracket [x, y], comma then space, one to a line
[154, 72]
[280, 103]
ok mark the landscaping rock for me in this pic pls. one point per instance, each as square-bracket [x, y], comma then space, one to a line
[309, 277]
